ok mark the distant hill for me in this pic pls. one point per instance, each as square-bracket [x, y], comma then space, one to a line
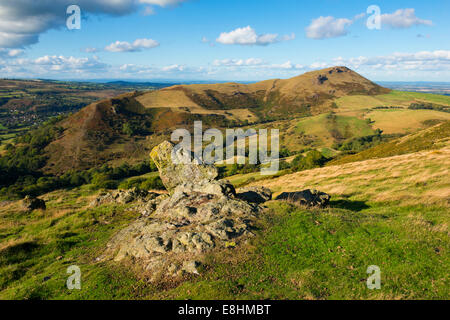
[129, 125]
[309, 94]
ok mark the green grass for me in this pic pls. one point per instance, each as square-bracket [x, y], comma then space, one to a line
[324, 254]
[297, 254]
[394, 98]
[38, 247]
[425, 97]
[327, 129]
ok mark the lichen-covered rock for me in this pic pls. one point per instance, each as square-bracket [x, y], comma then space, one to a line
[201, 214]
[255, 194]
[175, 168]
[185, 223]
[124, 197]
[32, 203]
[309, 198]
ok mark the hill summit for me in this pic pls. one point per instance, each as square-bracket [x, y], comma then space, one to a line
[310, 92]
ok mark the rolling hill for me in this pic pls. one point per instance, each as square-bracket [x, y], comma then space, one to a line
[97, 134]
[315, 110]
[307, 94]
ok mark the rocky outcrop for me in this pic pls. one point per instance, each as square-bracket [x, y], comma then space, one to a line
[124, 197]
[30, 204]
[309, 198]
[201, 214]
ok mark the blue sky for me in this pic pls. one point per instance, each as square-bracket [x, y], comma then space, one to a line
[223, 40]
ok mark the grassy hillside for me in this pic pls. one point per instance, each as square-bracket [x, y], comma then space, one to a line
[393, 214]
[416, 178]
[310, 93]
[392, 112]
[327, 129]
[394, 98]
[430, 139]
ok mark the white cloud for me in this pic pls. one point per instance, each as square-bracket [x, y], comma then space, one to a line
[90, 50]
[137, 45]
[237, 62]
[319, 65]
[53, 66]
[404, 18]
[22, 21]
[248, 36]
[12, 53]
[420, 61]
[257, 64]
[172, 68]
[328, 27]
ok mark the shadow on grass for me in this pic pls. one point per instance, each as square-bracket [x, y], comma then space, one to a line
[355, 206]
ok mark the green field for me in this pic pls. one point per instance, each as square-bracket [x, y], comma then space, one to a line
[395, 98]
[327, 128]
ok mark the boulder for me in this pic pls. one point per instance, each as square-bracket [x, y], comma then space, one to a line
[200, 214]
[255, 194]
[176, 168]
[32, 203]
[309, 198]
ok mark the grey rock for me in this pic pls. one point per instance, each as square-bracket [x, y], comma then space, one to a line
[191, 267]
[175, 168]
[200, 214]
[255, 194]
[124, 197]
[309, 198]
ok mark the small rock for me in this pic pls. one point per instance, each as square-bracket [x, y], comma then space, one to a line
[191, 267]
[255, 194]
[309, 198]
[32, 203]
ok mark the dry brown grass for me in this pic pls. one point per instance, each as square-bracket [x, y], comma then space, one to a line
[418, 178]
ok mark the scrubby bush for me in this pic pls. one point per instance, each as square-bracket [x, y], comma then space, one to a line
[153, 183]
[313, 159]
